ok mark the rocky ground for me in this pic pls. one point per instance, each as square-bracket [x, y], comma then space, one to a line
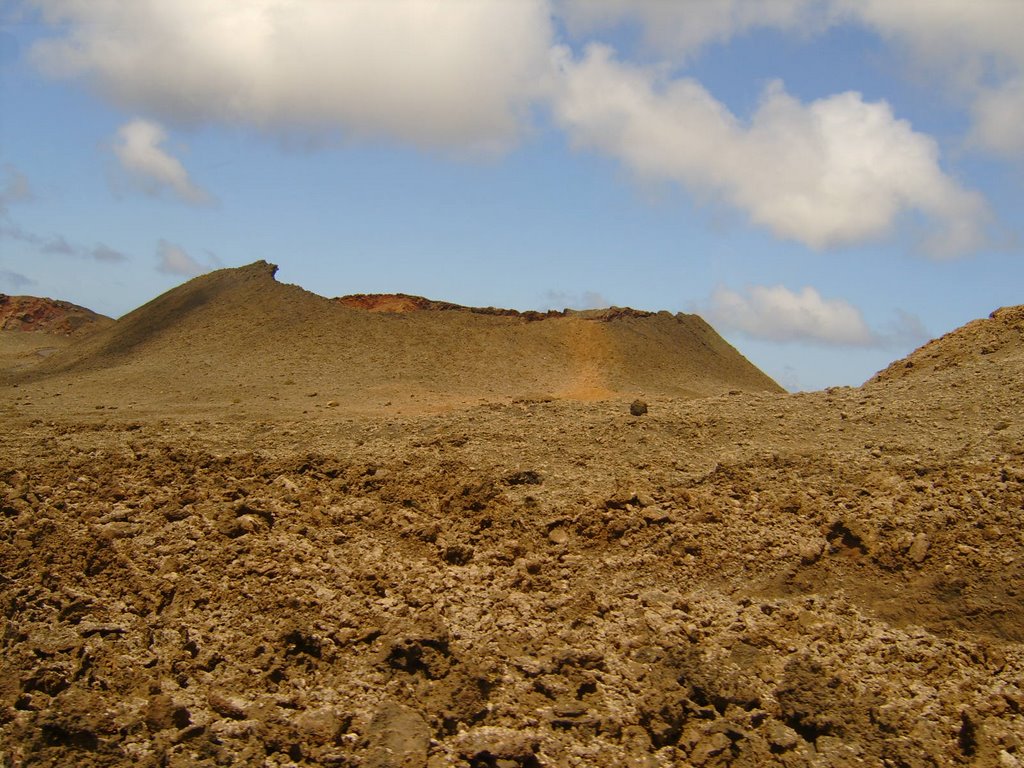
[826, 579]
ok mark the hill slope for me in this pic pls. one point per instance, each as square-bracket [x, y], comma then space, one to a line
[39, 315]
[239, 334]
[997, 338]
[757, 579]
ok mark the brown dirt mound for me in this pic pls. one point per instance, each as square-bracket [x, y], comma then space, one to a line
[239, 331]
[39, 315]
[999, 336]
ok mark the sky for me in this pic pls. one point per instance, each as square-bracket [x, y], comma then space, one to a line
[829, 183]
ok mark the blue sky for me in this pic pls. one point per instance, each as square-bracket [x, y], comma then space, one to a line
[830, 183]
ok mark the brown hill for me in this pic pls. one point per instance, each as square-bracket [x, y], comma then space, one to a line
[39, 315]
[997, 339]
[753, 579]
[32, 329]
[237, 334]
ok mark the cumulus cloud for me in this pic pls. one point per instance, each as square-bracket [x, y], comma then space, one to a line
[775, 313]
[174, 260]
[833, 172]
[459, 74]
[974, 46]
[138, 148]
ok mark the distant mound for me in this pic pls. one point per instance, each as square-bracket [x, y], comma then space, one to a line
[997, 338]
[38, 315]
[237, 335]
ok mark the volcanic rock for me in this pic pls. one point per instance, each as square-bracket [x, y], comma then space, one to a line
[216, 568]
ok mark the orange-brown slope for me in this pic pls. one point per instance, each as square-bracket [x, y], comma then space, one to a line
[40, 315]
[238, 335]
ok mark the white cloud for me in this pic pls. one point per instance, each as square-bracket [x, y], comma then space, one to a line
[775, 313]
[945, 29]
[833, 172]
[174, 260]
[681, 29]
[974, 45]
[447, 74]
[139, 151]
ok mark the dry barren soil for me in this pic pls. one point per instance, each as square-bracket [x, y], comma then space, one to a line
[246, 525]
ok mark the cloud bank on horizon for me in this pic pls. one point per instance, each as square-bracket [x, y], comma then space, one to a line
[477, 79]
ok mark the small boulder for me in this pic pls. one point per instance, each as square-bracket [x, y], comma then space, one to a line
[919, 548]
[638, 408]
[398, 737]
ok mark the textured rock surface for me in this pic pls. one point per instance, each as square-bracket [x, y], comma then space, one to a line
[825, 579]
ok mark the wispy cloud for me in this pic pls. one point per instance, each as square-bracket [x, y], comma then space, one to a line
[14, 187]
[140, 152]
[776, 313]
[105, 253]
[565, 300]
[15, 279]
[174, 260]
[59, 245]
[906, 331]
[779, 314]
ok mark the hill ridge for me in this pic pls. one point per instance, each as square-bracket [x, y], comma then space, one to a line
[240, 331]
[998, 335]
[38, 314]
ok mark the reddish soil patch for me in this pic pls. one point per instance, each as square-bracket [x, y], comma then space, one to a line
[37, 315]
